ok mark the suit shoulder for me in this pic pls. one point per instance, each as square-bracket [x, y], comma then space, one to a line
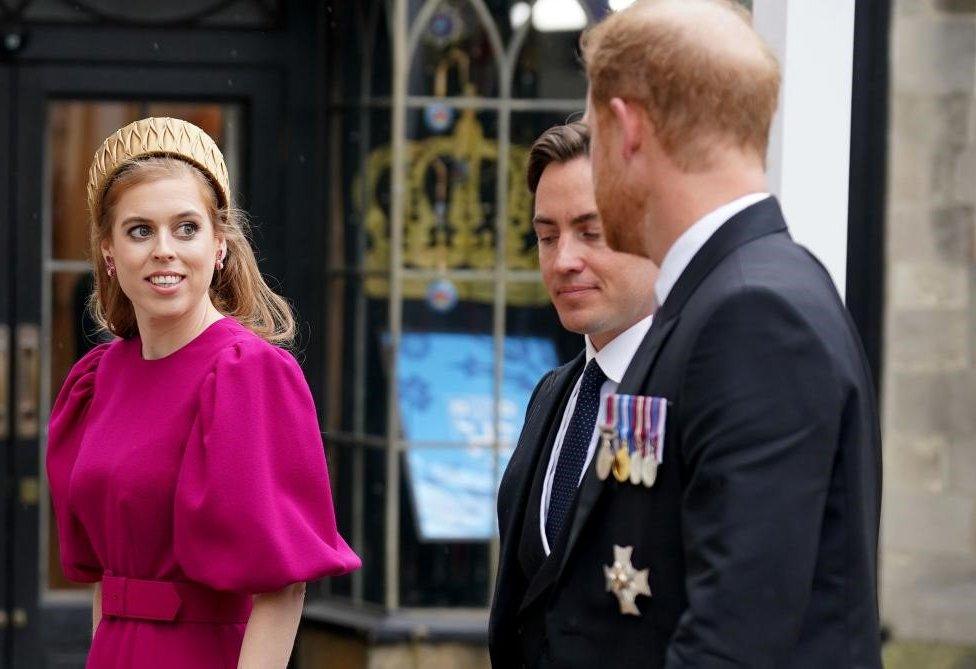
[551, 378]
[772, 271]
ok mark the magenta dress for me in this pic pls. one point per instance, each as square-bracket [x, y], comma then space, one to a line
[187, 484]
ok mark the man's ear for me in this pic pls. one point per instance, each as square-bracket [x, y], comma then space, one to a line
[630, 118]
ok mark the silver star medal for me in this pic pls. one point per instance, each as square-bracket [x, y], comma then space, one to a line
[626, 582]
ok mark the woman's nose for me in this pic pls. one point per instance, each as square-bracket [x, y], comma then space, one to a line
[164, 247]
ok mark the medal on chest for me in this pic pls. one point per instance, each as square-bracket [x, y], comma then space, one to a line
[621, 461]
[640, 438]
[608, 434]
[655, 415]
[626, 582]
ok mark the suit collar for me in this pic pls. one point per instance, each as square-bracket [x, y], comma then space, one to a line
[691, 240]
[760, 219]
[615, 357]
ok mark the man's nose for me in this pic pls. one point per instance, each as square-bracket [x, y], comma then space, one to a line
[569, 256]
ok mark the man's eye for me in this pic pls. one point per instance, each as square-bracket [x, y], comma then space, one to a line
[545, 241]
[591, 236]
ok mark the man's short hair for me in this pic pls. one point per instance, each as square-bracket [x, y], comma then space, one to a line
[559, 144]
[699, 92]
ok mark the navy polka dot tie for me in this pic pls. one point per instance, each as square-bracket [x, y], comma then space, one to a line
[572, 455]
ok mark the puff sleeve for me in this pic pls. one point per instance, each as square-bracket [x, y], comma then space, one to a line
[65, 432]
[253, 508]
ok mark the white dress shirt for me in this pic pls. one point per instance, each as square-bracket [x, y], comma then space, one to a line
[613, 359]
[691, 240]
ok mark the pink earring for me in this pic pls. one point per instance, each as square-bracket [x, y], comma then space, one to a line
[220, 262]
[110, 268]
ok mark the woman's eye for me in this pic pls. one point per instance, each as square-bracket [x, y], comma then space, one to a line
[140, 232]
[188, 229]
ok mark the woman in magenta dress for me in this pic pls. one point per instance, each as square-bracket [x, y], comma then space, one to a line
[185, 460]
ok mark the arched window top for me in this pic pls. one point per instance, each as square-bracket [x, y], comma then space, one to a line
[455, 49]
[543, 54]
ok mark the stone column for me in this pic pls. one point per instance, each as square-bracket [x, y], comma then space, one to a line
[928, 554]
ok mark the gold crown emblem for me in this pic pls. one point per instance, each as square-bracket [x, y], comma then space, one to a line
[165, 137]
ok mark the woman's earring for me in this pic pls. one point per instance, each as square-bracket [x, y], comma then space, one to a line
[220, 262]
[110, 267]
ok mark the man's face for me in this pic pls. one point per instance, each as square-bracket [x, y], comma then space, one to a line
[596, 290]
[620, 195]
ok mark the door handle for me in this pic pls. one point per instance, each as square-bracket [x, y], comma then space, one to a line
[28, 381]
[4, 381]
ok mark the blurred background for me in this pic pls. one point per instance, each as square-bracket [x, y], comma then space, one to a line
[380, 149]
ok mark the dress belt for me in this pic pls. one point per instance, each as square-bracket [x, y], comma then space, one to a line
[171, 601]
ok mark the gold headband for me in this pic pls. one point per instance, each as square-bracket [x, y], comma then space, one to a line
[163, 137]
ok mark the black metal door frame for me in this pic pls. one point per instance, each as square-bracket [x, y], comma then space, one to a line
[868, 178]
[6, 372]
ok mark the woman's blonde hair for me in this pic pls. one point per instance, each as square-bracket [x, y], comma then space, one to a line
[238, 290]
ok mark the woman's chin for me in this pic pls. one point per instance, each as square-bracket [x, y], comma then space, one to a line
[162, 311]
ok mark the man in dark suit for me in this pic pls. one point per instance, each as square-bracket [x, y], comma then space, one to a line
[756, 545]
[603, 295]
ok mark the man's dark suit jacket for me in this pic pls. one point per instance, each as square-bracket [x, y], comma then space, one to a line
[761, 531]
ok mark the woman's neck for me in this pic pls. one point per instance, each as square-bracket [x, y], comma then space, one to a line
[161, 337]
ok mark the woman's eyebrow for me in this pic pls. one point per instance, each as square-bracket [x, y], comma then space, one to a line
[135, 219]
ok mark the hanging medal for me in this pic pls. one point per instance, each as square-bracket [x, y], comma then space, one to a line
[656, 414]
[637, 455]
[621, 461]
[605, 452]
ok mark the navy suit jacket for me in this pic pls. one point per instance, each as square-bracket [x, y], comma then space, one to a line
[761, 531]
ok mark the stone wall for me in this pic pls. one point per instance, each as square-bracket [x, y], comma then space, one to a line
[928, 556]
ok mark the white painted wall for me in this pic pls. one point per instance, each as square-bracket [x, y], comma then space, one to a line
[809, 151]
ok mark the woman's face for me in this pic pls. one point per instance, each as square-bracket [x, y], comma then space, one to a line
[164, 248]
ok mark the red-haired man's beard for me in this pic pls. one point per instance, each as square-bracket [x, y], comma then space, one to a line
[622, 208]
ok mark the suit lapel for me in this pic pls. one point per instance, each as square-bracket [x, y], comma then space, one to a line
[517, 482]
